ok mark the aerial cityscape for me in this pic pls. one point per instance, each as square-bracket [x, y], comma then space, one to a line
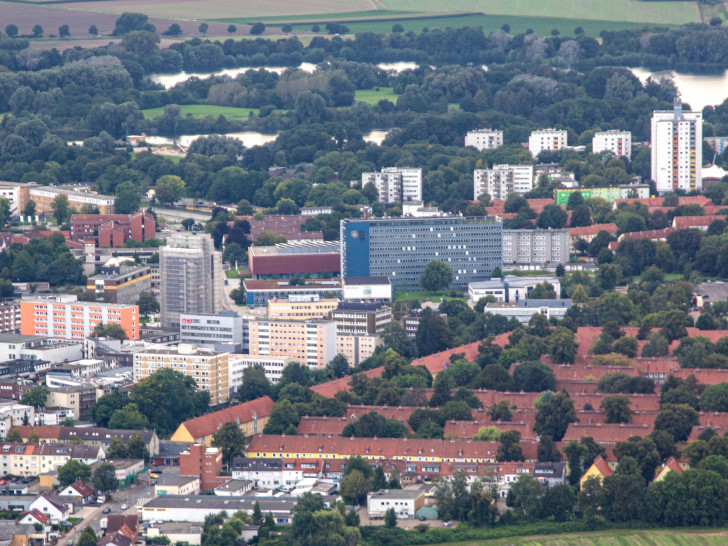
[384, 273]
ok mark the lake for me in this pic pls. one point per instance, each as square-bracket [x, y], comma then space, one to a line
[170, 80]
[697, 90]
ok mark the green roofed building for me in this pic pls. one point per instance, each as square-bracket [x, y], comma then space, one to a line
[610, 193]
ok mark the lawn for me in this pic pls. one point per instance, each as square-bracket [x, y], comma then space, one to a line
[237, 273]
[373, 96]
[613, 538]
[202, 110]
[421, 295]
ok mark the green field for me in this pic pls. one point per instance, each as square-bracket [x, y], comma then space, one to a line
[415, 15]
[613, 538]
[202, 110]
[373, 96]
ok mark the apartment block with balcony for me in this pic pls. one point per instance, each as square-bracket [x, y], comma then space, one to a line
[310, 342]
[484, 139]
[501, 181]
[395, 185]
[677, 149]
[546, 140]
[617, 142]
[208, 368]
[67, 318]
[535, 246]
[301, 307]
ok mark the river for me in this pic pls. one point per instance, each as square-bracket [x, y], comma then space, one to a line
[697, 90]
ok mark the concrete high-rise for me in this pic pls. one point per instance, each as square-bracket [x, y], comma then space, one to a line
[677, 149]
[396, 185]
[617, 142]
[502, 180]
[191, 277]
[400, 248]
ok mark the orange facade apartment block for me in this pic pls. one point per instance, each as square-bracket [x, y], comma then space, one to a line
[66, 318]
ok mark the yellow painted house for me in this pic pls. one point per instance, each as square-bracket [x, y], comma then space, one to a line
[599, 469]
[670, 466]
[250, 416]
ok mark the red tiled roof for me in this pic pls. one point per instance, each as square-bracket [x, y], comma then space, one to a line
[43, 432]
[437, 362]
[602, 466]
[685, 222]
[653, 234]
[242, 413]
[468, 429]
[82, 489]
[638, 402]
[588, 231]
[330, 388]
[606, 433]
[39, 516]
[673, 465]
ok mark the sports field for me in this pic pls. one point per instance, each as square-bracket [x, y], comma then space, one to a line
[666, 537]
[373, 96]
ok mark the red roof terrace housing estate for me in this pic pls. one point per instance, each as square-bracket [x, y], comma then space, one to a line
[112, 230]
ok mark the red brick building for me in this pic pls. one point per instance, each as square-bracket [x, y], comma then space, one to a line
[204, 462]
[112, 230]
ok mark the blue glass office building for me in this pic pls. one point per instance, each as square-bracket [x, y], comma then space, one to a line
[399, 248]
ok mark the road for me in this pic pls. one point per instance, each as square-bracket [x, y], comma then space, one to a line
[93, 514]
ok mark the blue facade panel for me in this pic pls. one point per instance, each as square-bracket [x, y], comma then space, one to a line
[355, 251]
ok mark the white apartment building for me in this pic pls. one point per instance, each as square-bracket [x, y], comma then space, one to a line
[310, 342]
[208, 368]
[617, 142]
[546, 139]
[357, 348]
[502, 180]
[55, 351]
[221, 332]
[396, 185]
[484, 139]
[535, 246]
[13, 414]
[677, 149]
[238, 363]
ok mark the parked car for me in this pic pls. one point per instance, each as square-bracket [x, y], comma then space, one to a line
[107, 510]
[124, 506]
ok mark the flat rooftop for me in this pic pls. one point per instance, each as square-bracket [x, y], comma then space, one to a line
[406, 493]
[175, 481]
[297, 247]
[311, 284]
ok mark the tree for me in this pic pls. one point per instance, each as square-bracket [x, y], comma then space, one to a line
[13, 435]
[231, 439]
[533, 377]
[543, 291]
[105, 407]
[547, 451]
[255, 384]
[61, 209]
[562, 346]
[137, 447]
[173, 30]
[554, 414]
[113, 331]
[510, 446]
[63, 31]
[148, 304]
[71, 471]
[714, 398]
[677, 419]
[35, 397]
[524, 496]
[268, 238]
[93, 30]
[37, 31]
[354, 487]
[129, 417]
[616, 409]
[167, 397]
[339, 365]
[552, 216]
[257, 514]
[11, 30]
[494, 377]
[283, 419]
[203, 30]
[390, 518]
[437, 275]
[500, 411]
[29, 208]
[88, 537]
[257, 28]
[433, 334]
[642, 450]
[232, 29]
[169, 188]
[234, 254]
[104, 478]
